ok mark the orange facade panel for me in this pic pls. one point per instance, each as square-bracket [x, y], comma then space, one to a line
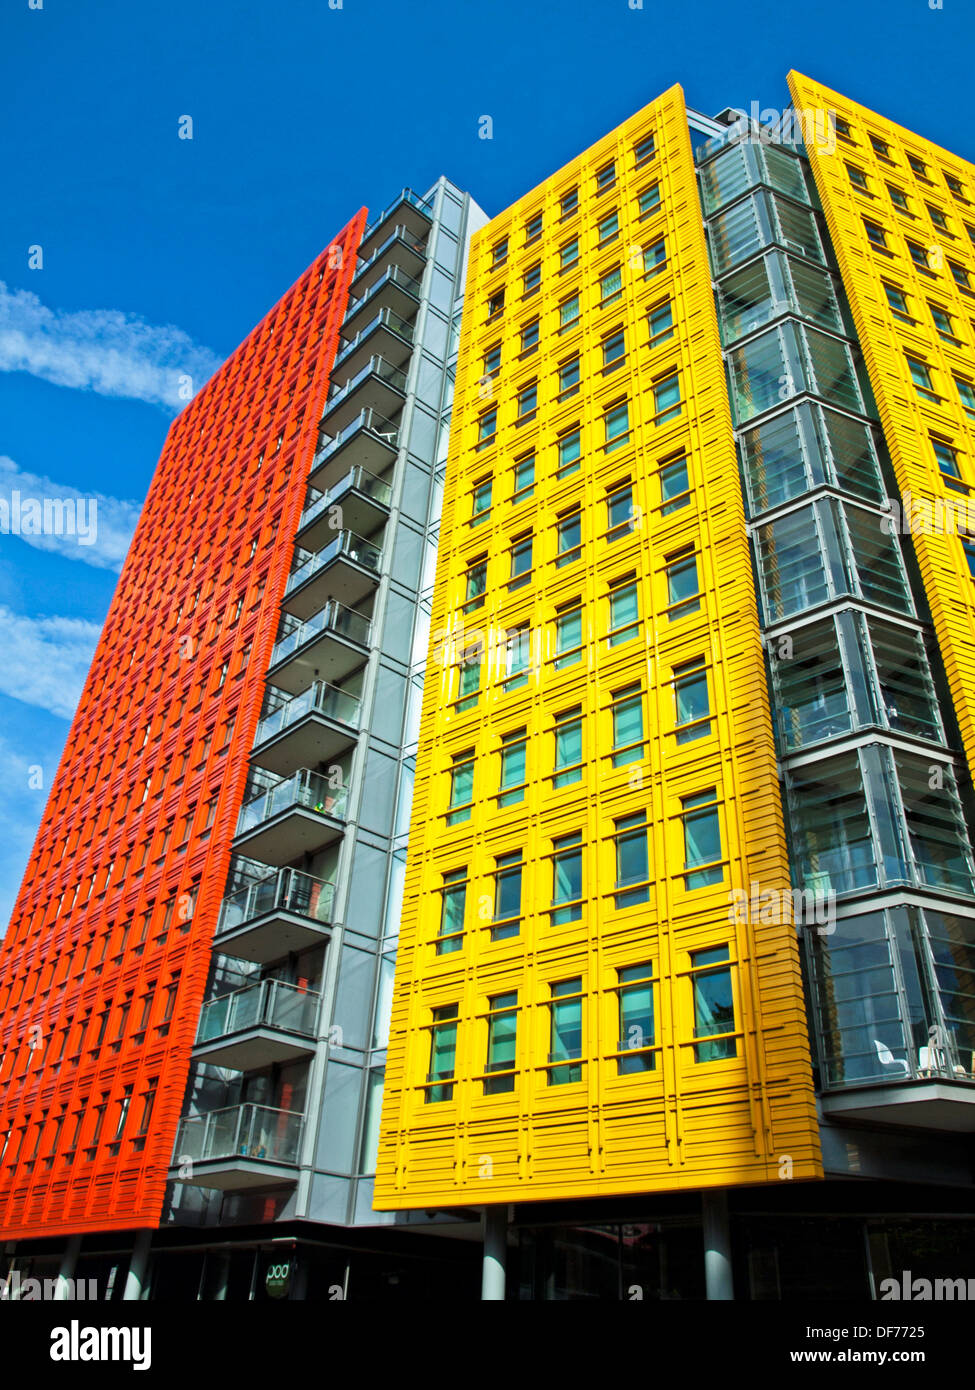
[103, 967]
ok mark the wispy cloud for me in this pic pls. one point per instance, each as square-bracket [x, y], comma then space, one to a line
[45, 660]
[111, 520]
[102, 350]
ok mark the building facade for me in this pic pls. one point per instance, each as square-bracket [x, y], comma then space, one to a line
[651, 926]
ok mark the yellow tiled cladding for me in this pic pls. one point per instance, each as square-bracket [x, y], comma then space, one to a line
[525, 1060]
[901, 213]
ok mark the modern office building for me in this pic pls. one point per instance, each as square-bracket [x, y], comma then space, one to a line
[684, 997]
[684, 935]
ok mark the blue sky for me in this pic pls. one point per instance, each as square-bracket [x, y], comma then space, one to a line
[159, 254]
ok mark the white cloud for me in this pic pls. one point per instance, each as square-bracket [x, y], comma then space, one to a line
[107, 527]
[102, 350]
[45, 660]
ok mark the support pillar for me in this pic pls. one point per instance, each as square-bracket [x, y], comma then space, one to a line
[135, 1280]
[495, 1253]
[67, 1267]
[717, 1246]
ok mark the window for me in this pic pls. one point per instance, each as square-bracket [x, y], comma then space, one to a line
[487, 427]
[475, 583]
[492, 362]
[966, 394]
[569, 451]
[566, 879]
[632, 861]
[919, 256]
[568, 635]
[568, 312]
[683, 587]
[943, 324]
[921, 377]
[502, 1038]
[569, 377]
[569, 203]
[521, 560]
[616, 425]
[946, 456]
[610, 286]
[635, 994]
[568, 748]
[661, 323]
[897, 300]
[875, 234]
[533, 229]
[495, 304]
[608, 229]
[527, 400]
[666, 398]
[614, 350]
[714, 1007]
[568, 537]
[566, 1032]
[918, 165]
[481, 505]
[702, 839]
[529, 337]
[524, 477]
[569, 254]
[648, 200]
[507, 896]
[937, 217]
[516, 658]
[514, 753]
[691, 700]
[857, 177]
[499, 252]
[468, 676]
[674, 485]
[955, 186]
[624, 612]
[880, 146]
[461, 787]
[627, 716]
[532, 279]
[443, 1054]
[960, 275]
[644, 150]
[148, 1101]
[898, 197]
[842, 128]
[619, 511]
[606, 177]
[968, 546]
[453, 902]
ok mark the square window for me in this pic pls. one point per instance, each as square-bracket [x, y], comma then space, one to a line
[702, 839]
[856, 176]
[569, 254]
[499, 252]
[568, 748]
[683, 587]
[666, 398]
[606, 177]
[661, 322]
[569, 203]
[918, 165]
[524, 477]
[616, 423]
[674, 485]
[610, 286]
[614, 350]
[532, 278]
[644, 150]
[533, 229]
[568, 312]
[568, 534]
[624, 613]
[880, 147]
[608, 229]
[897, 300]
[529, 337]
[569, 373]
[521, 561]
[875, 234]
[569, 453]
[648, 200]
[568, 636]
[527, 400]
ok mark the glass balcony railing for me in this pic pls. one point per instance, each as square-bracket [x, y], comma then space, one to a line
[385, 318]
[365, 420]
[240, 1131]
[269, 1004]
[306, 789]
[346, 543]
[359, 478]
[288, 890]
[377, 367]
[415, 243]
[393, 276]
[406, 195]
[320, 698]
[334, 617]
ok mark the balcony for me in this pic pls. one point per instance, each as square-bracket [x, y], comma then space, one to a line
[398, 248]
[332, 643]
[305, 729]
[258, 1026]
[376, 386]
[385, 335]
[370, 441]
[299, 815]
[346, 570]
[238, 1147]
[364, 502]
[286, 912]
[393, 290]
[409, 210]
